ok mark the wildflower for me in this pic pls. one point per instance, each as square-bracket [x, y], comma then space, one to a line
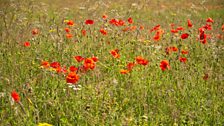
[141, 60]
[189, 23]
[184, 36]
[157, 36]
[121, 23]
[210, 20]
[61, 70]
[102, 31]
[67, 30]
[125, 29]
[114, 53]
[168, 50]
[83, 32]
[72, 78]
[15, 96]
[117, 22]
[132, 28]
[184, 52]
[35, 31]
[113, 21]
[26, 44]
[130, 20]
[89, 22]
[174, 48]
[171, 49]
[68, 36]
[174, 30]
[122, 71]
[55, 65]
[141, 27]
[155, 28]
[202, 37]
[104, 17]
[180, 28]
[45, 64]
[183, 59]
[130, 66]
[44, 124]
[73, 69]
[207, 27]
[95, 59]
[70, 23]
[79, 58]
[89, 64]
[164, 65]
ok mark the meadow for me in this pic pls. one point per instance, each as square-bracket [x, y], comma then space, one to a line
[122, 62]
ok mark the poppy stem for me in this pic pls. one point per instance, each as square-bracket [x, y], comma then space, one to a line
[22, 107]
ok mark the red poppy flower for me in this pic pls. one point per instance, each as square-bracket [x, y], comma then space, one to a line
[204, 41]
[125, 29]
[183, 59]
[67, 30]
[79, 58]
[89, 22]
[207, 27]
[174, 48]
[171, 49]
[121, 23]
[83, 32]
[114, 53]
[70, 23]
[102, 31]
[184, 36]
[164, 65]
[73, 68]
[72, 78]
[122, 71]
[155, 28]
[113, 21]
[168, 50]
[130, 20]
[180, 28]
[141, 27]
[104, 17]
[133, 28]
[61, 70]
[189, 23]
[141, 60]
[210, 20]
[68, 36]
[15, 96]
[89, 64]
[55, 65]
[95, 59]
[35, 31]
[26, 44]
[157, 36]
[203, 37]
[130, 66]
[184, 52]
[45, 64]
[174, 30]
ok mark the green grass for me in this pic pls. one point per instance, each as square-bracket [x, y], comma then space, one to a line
[145, 96]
